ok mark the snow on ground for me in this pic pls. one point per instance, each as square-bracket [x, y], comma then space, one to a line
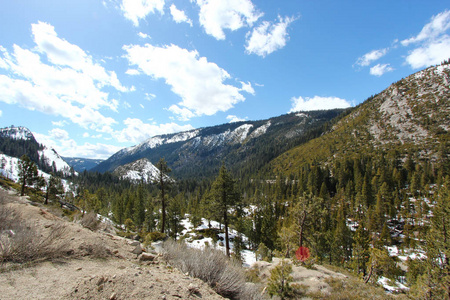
[248, 256]
[390, 286]
[405, 254]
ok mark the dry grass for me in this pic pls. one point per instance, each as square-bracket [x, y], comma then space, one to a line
[21, 241]
[225, 276]
[90, 221]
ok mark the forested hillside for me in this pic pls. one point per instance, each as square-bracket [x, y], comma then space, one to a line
[366, 189]
[244, 146]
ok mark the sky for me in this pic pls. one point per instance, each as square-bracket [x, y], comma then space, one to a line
[90, 77]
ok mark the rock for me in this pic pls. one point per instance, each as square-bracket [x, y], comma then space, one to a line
[193, 289]
[137, 250]
[134, 243]
[113, 296]
[147, 257]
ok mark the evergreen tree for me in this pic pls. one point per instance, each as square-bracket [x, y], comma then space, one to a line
[279, 281]
[224, 196]
[163, 182]
[28, 173]
[434, 283]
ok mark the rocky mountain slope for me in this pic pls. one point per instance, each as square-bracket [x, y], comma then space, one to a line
[141, 170]
[17, 141]
[412, 116]
[245, 145]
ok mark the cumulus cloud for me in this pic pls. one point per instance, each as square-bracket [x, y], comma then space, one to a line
[200, 83]
[430, 54]
[179, 16]
[135, 10]
[317, 103]
[433, 44]
[69, 85]
[59, 134]
[380, 69]
[268, 37]
[137, 131]
[217, 15]
[371, 56]
[68, 147]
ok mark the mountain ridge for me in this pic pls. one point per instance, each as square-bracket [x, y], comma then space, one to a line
[200, 152]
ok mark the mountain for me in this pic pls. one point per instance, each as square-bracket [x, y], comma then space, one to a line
[410, 117]
[17, 141]
[141, 170]
[80, 164]
[246, 146]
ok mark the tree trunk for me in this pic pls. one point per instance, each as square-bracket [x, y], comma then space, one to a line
[302, 223]
[227, 242]
[163, 201]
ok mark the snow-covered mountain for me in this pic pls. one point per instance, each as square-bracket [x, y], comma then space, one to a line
[200, 152]
[141, 170]
[16, 141]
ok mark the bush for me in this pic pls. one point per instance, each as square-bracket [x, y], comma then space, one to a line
[225, 276]
[154, 236]
[22, 242]
[90, 221]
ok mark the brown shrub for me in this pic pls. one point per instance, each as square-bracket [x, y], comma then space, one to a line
[21, 241]
[225, 276]
[90, 221]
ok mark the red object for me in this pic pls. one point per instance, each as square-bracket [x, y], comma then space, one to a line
[302, 253]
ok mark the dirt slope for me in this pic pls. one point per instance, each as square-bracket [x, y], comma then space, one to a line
[98, 265]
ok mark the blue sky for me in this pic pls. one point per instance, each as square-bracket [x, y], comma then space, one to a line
[91, 77]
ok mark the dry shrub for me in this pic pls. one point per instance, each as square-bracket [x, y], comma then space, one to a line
[225, 276]
[90, 221]
[21, 241]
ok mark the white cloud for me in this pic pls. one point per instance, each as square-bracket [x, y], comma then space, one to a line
[135, 10]
[150, 96]
[247, 87]
[217, 15]
[1, 113]
[59, 134]
[199, 83]
[70, 148]
[144, 35]
[370, 57]
[59, 123]
[234, 119]
[62, 53]
[132, 72]
[137, 131]
[141, 105]
[433, 42]
[380, 69]
[70, 85]
[430, 54]
[179, 16]
[438, 25]
[268, 37]
[317, 103]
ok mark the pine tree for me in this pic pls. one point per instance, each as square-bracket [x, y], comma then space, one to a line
[163, 181]
[279, 281]
[361, 245]
[224, 196]
[28, 173]
[435, 281]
